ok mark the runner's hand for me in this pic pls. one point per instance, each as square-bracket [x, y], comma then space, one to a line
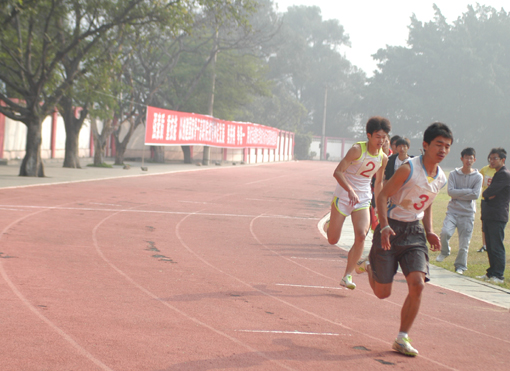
[353, 198]
[434, 241]
[385, 238]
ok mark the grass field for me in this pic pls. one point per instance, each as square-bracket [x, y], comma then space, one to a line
[477, 262]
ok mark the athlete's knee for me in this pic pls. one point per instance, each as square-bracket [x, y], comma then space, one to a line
[333, 240]
[360, 236]
[416, 285]
[382, 293]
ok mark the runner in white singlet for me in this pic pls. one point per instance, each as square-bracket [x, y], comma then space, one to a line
[352, 194]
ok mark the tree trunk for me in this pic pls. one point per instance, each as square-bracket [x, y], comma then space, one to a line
[73, 126]
[121, 146]
[100, 139]
[98, 152]
[32, 164]
[72, 157]
[186, 150]
[120, 149]
[159, 154]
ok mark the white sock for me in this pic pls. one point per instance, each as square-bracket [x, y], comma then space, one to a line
[401, 335]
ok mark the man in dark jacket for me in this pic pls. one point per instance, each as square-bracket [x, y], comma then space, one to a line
[495, 204]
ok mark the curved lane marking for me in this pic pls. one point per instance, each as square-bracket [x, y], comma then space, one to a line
[34, 310]
[182, 313]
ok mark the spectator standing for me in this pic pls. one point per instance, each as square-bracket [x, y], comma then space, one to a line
[396, 160]
[495, 204]
[393, 143]
[487, 172]
[464, 185]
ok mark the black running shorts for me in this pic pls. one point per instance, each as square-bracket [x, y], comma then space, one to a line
[408, 248]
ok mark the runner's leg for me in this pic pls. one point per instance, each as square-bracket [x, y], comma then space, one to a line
[336, 222]
[360, 223]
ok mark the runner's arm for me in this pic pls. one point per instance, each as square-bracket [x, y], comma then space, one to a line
[379, 178]
[389, 189]
[432, 238]
[353, 154]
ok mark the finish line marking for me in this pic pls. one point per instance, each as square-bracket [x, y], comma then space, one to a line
[290, 332]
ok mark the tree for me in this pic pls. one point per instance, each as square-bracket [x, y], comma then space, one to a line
[37, 35]
[304, 60]
[172, 70]
[455, 73]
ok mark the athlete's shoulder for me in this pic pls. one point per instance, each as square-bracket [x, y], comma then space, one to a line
[356, 150]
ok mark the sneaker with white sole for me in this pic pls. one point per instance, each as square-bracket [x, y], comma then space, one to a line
[484, 277]
[496, 280]
[459, 271]
[404, 346]
[347, 282]
[441, 257]
[361, 266]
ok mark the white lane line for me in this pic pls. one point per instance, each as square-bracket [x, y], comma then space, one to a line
[8, 209]
[265, 180]
[312, 287]
[291, 332]
[99, 203]
[329, 260]
[266, 216]
[196, 202]
[79, 348]
[170, 306]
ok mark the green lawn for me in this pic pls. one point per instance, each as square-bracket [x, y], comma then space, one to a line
[477, 262]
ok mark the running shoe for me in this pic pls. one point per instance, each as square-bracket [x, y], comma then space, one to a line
[459, 271]
[496, 280]
[484, 277]
[404, 346]
[347, 282]
[361, 266]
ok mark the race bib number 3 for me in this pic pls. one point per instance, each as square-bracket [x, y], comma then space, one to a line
[418, 200]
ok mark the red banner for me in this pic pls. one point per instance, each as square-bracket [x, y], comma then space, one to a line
[167, 128]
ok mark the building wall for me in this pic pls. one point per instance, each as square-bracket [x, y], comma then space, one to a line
[14, 138]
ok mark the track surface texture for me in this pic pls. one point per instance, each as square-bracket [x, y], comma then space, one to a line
[210, 270]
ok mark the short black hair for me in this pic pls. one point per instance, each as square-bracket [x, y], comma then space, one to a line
[394, 139]
[403, 141]
[377, 123]
[437, 129]
[469, 151]
[499, 151]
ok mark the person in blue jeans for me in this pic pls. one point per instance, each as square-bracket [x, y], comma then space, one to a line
[495, 205]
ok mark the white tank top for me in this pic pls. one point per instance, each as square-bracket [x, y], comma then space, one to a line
[360, 173]
[417, 193]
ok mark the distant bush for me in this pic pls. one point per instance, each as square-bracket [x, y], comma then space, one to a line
[302, 146]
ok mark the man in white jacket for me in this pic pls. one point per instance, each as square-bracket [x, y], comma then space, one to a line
[464, 185]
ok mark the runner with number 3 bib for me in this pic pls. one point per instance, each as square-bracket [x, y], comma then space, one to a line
[400, 238]
[353, 192]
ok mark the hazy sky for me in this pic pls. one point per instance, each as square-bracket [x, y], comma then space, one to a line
[373, 24]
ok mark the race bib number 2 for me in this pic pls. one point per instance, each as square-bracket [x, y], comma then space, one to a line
[368, 168]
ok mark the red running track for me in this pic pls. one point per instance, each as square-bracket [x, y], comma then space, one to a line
[210, 270]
